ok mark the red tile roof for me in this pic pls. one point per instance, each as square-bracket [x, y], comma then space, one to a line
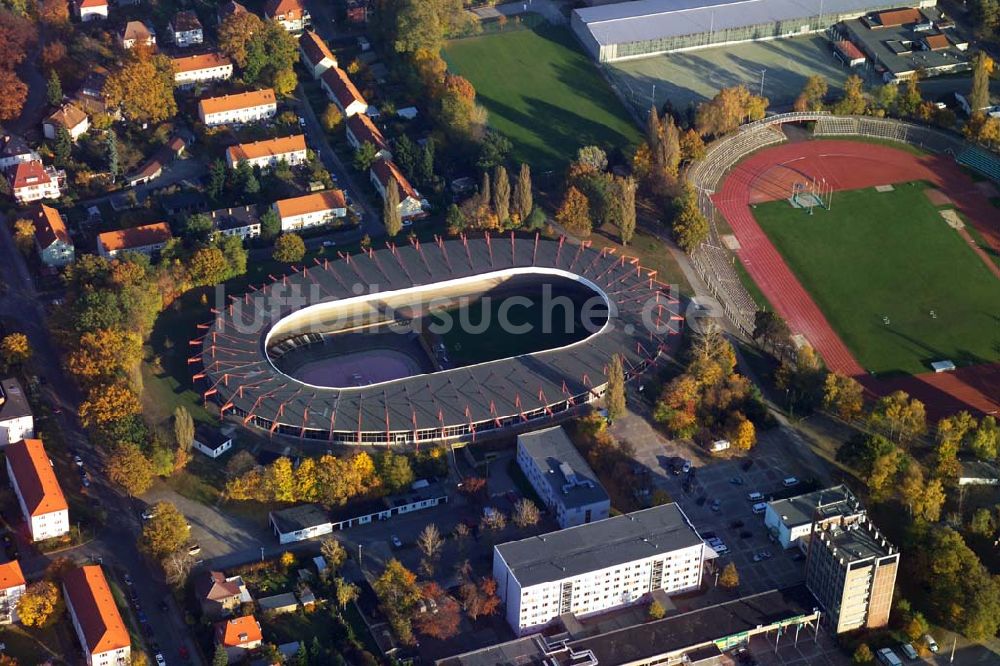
[850, 51]
[937, 42]
[143, 236]
[342, 87]
[34, 476]
[365, 131]
[238, 631]
[91, 4]
[198, 62]
[310, 203]
[49, 226]
[291, 9]
[386, 170]
[315, 48]
[11, 575]
[267, 148]
[894, 17]
[247, 100]
[95, 609]
[29, 173]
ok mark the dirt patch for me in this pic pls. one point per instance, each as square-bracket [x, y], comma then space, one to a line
[952, 218]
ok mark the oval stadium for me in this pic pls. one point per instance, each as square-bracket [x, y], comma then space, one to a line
[403, 345]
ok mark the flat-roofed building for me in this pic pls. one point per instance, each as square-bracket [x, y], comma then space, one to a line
[96, 618]
[145, 239]
[38, 493]
[311, 210]
[298, 523]
[852, 571]
[792, 520]
[597, 567]
[561, 477]
[238, 109]
[269, 152]
[16, 419]
[195, 69]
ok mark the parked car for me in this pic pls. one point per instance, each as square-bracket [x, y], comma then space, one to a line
[127, 579]
[790, 482]
[755, 497]
[716, 505]
[931, 643]
[396, 542]
[736, 481]
[909, 651]
[85, 480]
[194, 549]
[148, 513]
[160, 661]
[78, 460]
[686, 467]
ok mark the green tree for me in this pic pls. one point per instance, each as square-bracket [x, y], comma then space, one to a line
[183, 428]
[982, 67]
[391, 215]
[689, 226]
[615, 394]
[574, 212]
[111, 155]
[853, 102]
[983, 523]
[165, 533]
[424, 168]
[216, 179]
[53, 89]
[289, 248]
[523, 201]
[501, 193]
[863, 655]
[493, 150]
[270, 224]
[221, 657]
[625, 189]
[365, 156]
[234, 254]
[900, 417]
[812, 95]
[63, 146]
[394, 470]
[985, 439]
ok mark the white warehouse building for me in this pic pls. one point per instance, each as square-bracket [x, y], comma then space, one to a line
[561, 477]
[597, 567]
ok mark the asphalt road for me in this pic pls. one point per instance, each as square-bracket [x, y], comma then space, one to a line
[115, 542]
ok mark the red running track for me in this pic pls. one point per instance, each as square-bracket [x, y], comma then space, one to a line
[845, 165]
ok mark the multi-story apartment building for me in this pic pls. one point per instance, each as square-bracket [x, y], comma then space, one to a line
[791, 520]
[38, 493]
[266, 154]
[360, 129]
[248, 107]
[241, 221]
[12, 586]
[185, 29]
[316, 55]
[341, 91]
[145, 239]
[291, 14]
[598, 566]
[561, 477]
[33, 181]
[52, 239]
[195, 69]
[384, 172]
[16, 419]
[311, 210]
[96, 619]
[851, 569]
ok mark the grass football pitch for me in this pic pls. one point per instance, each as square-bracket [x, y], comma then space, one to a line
[543, 93]
[891, 255]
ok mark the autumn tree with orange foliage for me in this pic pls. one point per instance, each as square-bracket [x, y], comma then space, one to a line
[728, 110]
[442, 623]
[104, 355]
[105, 404]
[144, 87]
[53, 12]
[13, 93]
[574, 212]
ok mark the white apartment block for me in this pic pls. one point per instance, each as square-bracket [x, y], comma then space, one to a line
[16, 419]
[792, 520]
[96, 618]
[597, 567]
[248, 107]
[12, 586]
[268, 153]
[561, 477]
[192, 70]
[311, 210]
[38, 493]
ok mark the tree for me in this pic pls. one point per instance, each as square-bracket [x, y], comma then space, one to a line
[656, 611]
[932, 501]
[771, 330]
[574, 212]
[526, 514]
[53, 12]
[479, 599]
[347, 592]
[365, 156]
[270, 224]
[853, 102]
[24, 236]
[429, 543]
[982, 67]
[493, 150]
[443, 622]
[863, 655]
[983, 523]
[593, 158]
[844, 396]
[985, 439]
[728, 109]
[221, 657]
[13, 94]
[332, 118]
[271, 52]
[40, 605]
[397, 591]
[105, 404]
[501, 193]
[207, 266]
[424, 168]
[104, 355]
[235, 34]
[111, 154]
[523, 202]
[391, 215]
[812, 95]
[333, 552]
[176, 568]
[63, 146]
[614, 396]
[692, 145]
[53, 89]
[15, 349]
[394, 471]
[130, 469]
[744, 435]
[911, 487]
[730, 578]
[625, 189]
[883, 472]
[144, 87]
[689, 226]
[902, 418]
[165, 533]
[289, 248]
[183, 428]
[670, 147]
[287, 560]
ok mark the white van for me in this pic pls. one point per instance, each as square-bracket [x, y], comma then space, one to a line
[790, 482]
[888, 657]
[760, 507]
[754, 497]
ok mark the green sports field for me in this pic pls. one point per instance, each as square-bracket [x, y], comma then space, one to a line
[543, 93]
[891, 254]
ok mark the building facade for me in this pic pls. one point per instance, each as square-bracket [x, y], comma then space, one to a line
[561, 477]
[382, 173]
[291, 14]
[137, 33]
[96, 619]
[33, 181]
[239, 637]
[16, 419]
[68, 116]
[360, 129]
[12, 586]
[311, 210]
[316, 55]
[792, 520]
[146, 239]
[38, 493]
[597, 567]
[268, 153]
[92, 10]
[248, 107]
[185, 29]
[195, 69]
[851, 569]
[241, 221]
[15, 150]
[341, 91]
[52, 239]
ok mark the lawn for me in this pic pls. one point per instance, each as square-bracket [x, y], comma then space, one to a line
[891, 255]
[543, 93]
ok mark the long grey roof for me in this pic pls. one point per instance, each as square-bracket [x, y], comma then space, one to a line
[655, 19]
[820, 504]
[237, 369]
[550, 449]
[577, 550]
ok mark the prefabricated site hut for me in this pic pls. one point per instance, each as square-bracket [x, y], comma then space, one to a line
[648, 27]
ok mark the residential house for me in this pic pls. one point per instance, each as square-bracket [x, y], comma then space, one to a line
[316, 55]
[241, 221]
[311, 210]
[68, 116]
[220, 595]
[239, 636]
[16, 419]
[146, 239]
[278, 604]
[185, 29]
[96, 618]
[14, 149]
[268, 153]
[12, 586]
[33, 181]
[203, 68]
[184, 203]
[38, 493]
[91, 10]
[360, 129]
[227, 9]
[384, 172]
[341, 91]
[137, 33]
[52, 241]
[291, 14]
[247, 107]
[212, 441]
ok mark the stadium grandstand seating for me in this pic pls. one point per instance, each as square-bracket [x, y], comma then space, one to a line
[981, 160]
[729, 150]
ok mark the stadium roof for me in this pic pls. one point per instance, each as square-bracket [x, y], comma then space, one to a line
[642, 20]
[491, 394]
[594, 546]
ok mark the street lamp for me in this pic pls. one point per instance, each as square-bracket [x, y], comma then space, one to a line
[262, 553]
[763, 69]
